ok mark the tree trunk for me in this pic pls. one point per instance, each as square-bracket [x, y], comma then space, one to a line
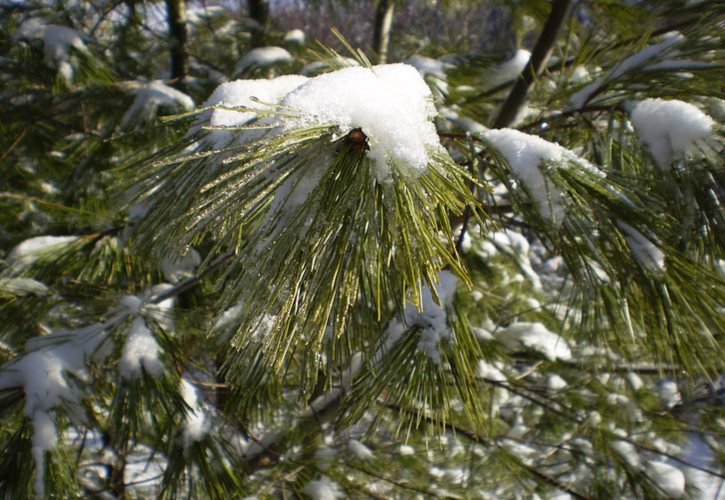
[259, 11]
[176, 11]
[383, 23]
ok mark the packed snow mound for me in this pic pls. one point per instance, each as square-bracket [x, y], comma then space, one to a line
[390, 103]
[671, 128]
[262, 57]
[525, 154]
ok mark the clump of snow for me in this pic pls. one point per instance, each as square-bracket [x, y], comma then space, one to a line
[196, 423]
[154, 96]
[30, 250]
[525, 154]
[140, 351]
[670, 128]
[647, 254]
[642, 59]
[252, 94]
[262, 57]
[406, 450]
[58, 42]
[669, 393]
[390, 103]
[323, 489]
[43, 373]
[295, 37]
[628, 452]
[668, 478]
[432, 318]
[359, 450]
[490, 371]
[537, 337]
[45, 437]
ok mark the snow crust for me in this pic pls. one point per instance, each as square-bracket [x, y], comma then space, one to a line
[537, 337]
[670, 128]
[140, 352]
[432, 319]
[153, 96]
[525, 154]
[261, 57]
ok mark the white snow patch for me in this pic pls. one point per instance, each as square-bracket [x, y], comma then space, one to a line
[490, 371]
[359, 450]
[671, 129]
[154, 96]
[390, 103]
[628, 452]
[406, 450]
[44, 438]
[432, 319]
[196, 423]
[669, 393]
[323, 489]
[140, 351]
[537, 337]
[252, 94]
[647, 254]
[525, 154]
[262, 57]
[668, 477]
[296, 37]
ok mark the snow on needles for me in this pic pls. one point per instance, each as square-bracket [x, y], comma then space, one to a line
[58, 41]
[525, 154]
[670, 128]
[432, 319]
[390, 103]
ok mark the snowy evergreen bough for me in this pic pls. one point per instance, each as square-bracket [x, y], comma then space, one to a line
[469, 273]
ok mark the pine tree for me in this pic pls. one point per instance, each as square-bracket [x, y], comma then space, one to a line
[495, 275]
